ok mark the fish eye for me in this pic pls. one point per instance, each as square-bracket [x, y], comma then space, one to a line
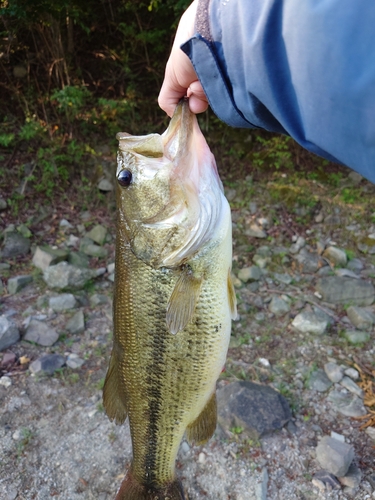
[124, 178]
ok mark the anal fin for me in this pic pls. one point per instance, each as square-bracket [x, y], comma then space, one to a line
[184, 298]
[204, 426]
[113, 398]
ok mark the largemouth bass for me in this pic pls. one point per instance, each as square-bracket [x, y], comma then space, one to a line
[173, 300]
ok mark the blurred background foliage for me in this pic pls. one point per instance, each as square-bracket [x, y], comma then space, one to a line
[73, 73]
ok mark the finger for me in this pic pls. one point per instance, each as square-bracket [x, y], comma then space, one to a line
[198, 102]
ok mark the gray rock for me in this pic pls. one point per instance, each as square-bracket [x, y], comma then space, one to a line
[334, 372]
[283, 278]
[318, 381]
[63, 302]
[261, 487]
[41, 333]
[352, 387]
[324, 480]
[347, 404]
[18, 282]
[48, 364]
[15, 244]
[339, 290]
[352, 373]
[64, 275]
[98, 299]
[1, 287]
[261, 260]
[97, 234]
[334, 456]
[92, 249]
[252, 273]
[5, 381]
[309, 322]
[352, 478]
[278, 306]
[65, 224]
[78, 259]
[76, 324]
[360, 318]
[105, 185]
[111, 268]
[255, 231]
[74, 361]
[256, 408]
[3, 204]
[370, 431]
[9, 333]
[47, 256]
[309, 262]
[343, 272]
[356, 336]
[336, 256]
[355, 265]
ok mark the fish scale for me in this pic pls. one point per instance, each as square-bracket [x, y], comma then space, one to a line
[163, 381]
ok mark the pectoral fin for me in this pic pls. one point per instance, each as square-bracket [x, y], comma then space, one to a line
[112, 395]
[204, 426]
[232, 297]
[184, 298]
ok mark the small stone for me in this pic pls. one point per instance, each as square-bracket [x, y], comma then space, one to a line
[261, 488]
[278, 306]
[334, 372]
[48, 364]
[370, 431]
[349, 384]
[334, 456]
[111, 268]
[64, 275]
[3, 204]
[252, 273]
[352, 478]
[201, 458]
[62, 302]
[98, 299]
[9, 358]
[283, 278]
[324, 480]
[347, 404]
[346, 272]
[46, 256]
[255, 231]
[78, 259]
[319, 381]
[5, 381]
[18, 282]
[352, 373]
[338, 290]
[261, 261]
[336, 256]
[41, 333]
[309, 262]
[92, 249]
[72, 241]
[339, 437]
[76, 324]
[15, 244]
[9, 333]
[65, 224]
[105, 185]
[360, 318]
[355, 265]
[309, 322]
[97, 234]
[111, 277]
[356, 337]
[74, 361]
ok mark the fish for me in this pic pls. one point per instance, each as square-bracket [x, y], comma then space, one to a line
[173, 300]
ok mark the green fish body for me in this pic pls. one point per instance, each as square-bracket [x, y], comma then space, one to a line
[173, 300]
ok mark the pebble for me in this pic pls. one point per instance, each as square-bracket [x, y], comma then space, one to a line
[46, 256]
[105, 185]
[201, 457]
[255, 231]
[9, 333]
[111, 268]
[349, 384]
[74, 361]
[360, 318]
[352, 478]
[309, 322]
[336, 256]
[41, 333]
[352, 373]
[339, 437]
[98, 299]
[63, 302]
[98, 234]
[319, 381]
[76, 324]
[278, 306]
[349, 405]
[261, 487]
[324, 480]
[5, 381]
[338, 290]
[92, 249]
[16, 283]
[334, 456]
[64, 275]
[252, 273]
[261, 261]
[15, 244]
[356, 337]
[48, 364]
[334, 372]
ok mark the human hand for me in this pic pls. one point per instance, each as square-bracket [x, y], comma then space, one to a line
[180, 78]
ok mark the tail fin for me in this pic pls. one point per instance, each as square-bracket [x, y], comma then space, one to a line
[131, 489]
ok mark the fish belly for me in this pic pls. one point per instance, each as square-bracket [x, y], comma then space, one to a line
[164, 382]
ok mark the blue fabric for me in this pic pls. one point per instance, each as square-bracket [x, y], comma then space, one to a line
[304, 68]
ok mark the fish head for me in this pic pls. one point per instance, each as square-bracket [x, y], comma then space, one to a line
[161, 180]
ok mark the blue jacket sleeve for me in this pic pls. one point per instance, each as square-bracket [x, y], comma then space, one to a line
[303, 68]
